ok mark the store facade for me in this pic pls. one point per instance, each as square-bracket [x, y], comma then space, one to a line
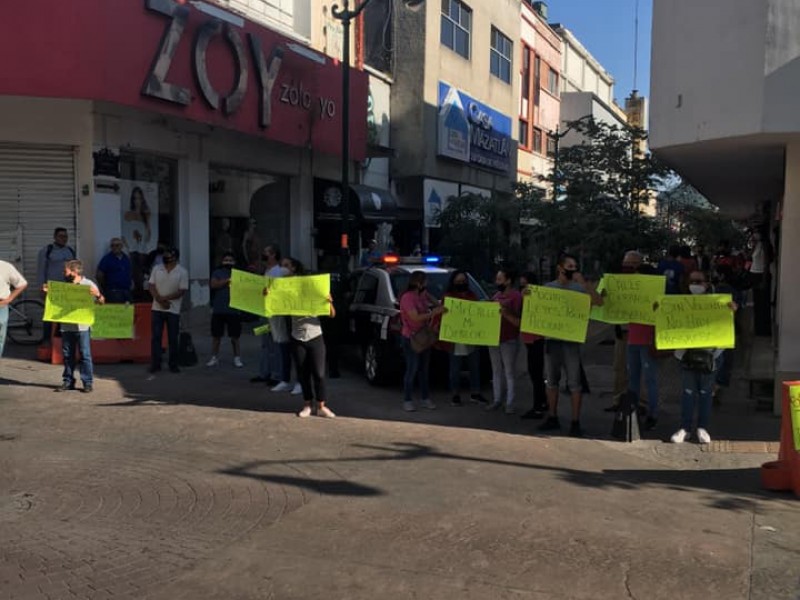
[207, 133]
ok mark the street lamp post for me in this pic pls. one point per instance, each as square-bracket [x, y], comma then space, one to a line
[346, 16]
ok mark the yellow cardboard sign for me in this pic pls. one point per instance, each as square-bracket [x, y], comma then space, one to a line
[794, 408]
[299, 296]
[598, 313]
[247, 292]
[68, 303]
[629, 298]
[471, 323]
[694, 321]
[556, 313]
[113, 322]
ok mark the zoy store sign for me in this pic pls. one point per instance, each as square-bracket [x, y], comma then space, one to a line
[267, 68]
[472, 132]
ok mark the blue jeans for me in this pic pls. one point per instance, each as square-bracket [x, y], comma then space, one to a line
[641, 362]
[473, 363]
[269, 365]
[80, 340]
[173, 322]
[696, 393]
[416, 364]
[3, 327]
[724, 367]
[118, 296]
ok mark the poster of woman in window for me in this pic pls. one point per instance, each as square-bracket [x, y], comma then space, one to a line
[139, 223]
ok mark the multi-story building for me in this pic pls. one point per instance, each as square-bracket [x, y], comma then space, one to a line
[587, 89]
[732, 129]
[540, 97]
[208, 132]
[455, 101]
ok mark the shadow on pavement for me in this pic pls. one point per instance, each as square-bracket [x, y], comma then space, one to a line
[728, 489]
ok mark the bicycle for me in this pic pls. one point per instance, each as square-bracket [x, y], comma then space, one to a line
[25, 325]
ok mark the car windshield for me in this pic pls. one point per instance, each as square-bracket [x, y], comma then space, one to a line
[437, 284]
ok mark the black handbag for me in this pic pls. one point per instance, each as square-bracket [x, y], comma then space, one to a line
[423, 339]
[187, 356]
[700, 361]
[626, 419]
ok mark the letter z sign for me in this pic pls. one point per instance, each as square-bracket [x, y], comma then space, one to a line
[156, 85]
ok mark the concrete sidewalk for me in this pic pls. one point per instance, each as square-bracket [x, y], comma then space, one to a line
[203, 485]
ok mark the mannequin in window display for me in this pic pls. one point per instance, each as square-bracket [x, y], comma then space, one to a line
[251, 245]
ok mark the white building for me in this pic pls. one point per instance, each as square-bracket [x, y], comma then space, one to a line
[725, 84]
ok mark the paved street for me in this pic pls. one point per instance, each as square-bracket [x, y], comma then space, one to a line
[202, 485]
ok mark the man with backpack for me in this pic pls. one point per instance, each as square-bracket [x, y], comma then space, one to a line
[50, 265]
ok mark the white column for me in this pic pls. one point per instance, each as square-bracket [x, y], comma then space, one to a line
[788, 309]
[193, 227]
[301, 215]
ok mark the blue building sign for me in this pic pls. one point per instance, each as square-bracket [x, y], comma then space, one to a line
[472, 132]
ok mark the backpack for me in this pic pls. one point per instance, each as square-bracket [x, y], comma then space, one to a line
[50, 251]
[187, 356]
[626, 419]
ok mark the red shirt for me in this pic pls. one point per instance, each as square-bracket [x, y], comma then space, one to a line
[512, 301]
[412, 300]
[641, 335]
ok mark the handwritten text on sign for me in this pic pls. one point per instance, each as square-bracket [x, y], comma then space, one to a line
[68, 303]
[247, 292]
[630, 298]
[113, 322]
[701, 321]
[471, 323]
[794, 408]
[299, 296]
[555, 313]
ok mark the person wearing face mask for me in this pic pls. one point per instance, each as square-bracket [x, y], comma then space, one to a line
[417, 308]
[168, 283]
[534, 345]
[77, 337]
[697, 377]
[761, 281]
[223, 317]
[504, 356]
[459, 288]
[566, 355]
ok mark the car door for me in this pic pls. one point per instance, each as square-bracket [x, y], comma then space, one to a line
[362, 307]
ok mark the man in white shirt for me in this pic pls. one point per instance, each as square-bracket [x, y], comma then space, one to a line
[168, 284]
[12, 284]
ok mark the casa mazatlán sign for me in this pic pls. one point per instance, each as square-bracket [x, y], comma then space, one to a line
[472, 132]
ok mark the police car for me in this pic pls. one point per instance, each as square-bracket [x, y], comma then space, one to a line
[373, 313]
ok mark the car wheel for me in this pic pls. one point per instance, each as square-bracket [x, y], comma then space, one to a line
[374, 363]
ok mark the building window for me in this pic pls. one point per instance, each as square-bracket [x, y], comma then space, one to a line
[552, 82]
[378, 24]
[500, 56]
[526, 73]
[456, 26]
[537, 140]
[523, 133]
[551, 146]
[537, 80]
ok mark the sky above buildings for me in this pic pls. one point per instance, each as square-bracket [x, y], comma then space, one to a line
[607, 29]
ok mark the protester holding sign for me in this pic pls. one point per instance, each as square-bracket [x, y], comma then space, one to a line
[76, 336]
[504, 356]
[168, 283]
[458, 288]
[566, 355]
[697, 373]
[417, 308]
[535, 347]
[308, 350]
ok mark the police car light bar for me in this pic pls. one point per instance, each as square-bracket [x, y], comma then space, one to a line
[432, 260]
[391, 259]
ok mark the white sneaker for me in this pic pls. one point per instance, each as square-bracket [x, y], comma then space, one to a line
[297, 389]
[306, 412]
[213, 362]
[702, 436]
[494, 406]
[237, 362]
[324, 411]
[679, 436]
[428, 403]
[283, 386]
[510, 409]
[409, 407]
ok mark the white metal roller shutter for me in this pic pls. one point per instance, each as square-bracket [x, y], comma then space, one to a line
[37, 194]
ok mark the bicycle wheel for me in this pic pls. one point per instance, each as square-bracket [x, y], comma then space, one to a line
[25, 322]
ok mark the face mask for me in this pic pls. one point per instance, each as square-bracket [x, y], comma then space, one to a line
[628, 269]
[568, 273]
[228, 265]
[501, 287]
[697, 288]
[69, 278]
[460, 287]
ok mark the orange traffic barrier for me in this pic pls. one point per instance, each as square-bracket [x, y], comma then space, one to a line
[784, 473]
[136, 350]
